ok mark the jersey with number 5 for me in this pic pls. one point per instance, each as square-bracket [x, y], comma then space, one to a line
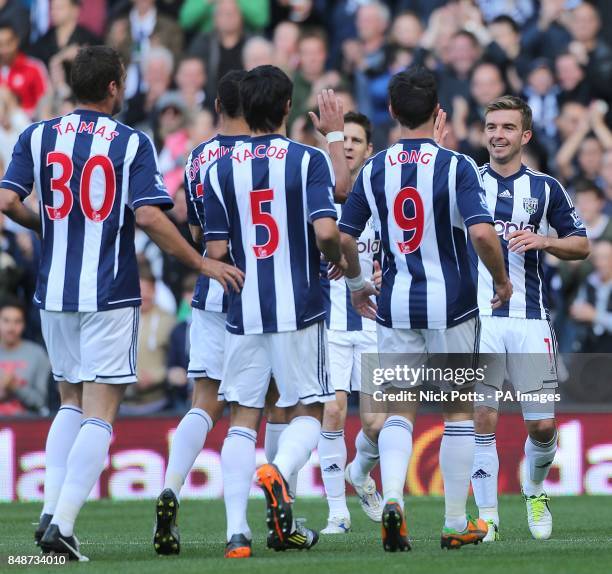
[424, 198]
[90, 174]
[263, 198]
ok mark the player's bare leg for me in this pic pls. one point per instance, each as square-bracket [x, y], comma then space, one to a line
[367, 455]
[332, 457]
[187, 443]
[485, 469]
[540, 449]
[85, 464]
[456, 460]
[62, 434]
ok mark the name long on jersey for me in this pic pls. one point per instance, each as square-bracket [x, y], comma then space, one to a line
[264, 197]
[423, 197]
[340, 313]
[90, 173]
[532, 201]
[208, 294]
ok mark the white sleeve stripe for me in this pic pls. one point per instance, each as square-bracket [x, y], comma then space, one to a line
[14, 183]
[326, 210]
[486, 215]
[154, 197]
[573, 233]
[212, 232]
[473, 164]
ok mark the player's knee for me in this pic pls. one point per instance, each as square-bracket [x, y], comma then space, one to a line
[333, 416]
[541, 430]
[485, 420]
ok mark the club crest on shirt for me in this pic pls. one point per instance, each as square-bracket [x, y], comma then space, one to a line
[530, 204]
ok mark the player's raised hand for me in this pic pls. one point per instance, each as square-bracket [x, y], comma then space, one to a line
[227, 275]
[376, 276]
[440, 129]
[331, 113]
[503, 292]
[362, 301]
[525, 240]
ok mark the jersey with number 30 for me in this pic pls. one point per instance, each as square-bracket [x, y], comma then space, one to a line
[263, 198]
[90, 173]
[424, 197]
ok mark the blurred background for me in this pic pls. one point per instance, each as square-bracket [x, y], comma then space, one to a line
[557, 54]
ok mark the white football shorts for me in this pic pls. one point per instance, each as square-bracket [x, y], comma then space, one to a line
[297, 360]
[98, 346]
[345, 356]
[207, 344]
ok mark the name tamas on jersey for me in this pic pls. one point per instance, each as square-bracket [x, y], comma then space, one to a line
[263, 198]
[90, 173]
[341, 316]
[531, 201]
[208, 294]
[422, 197]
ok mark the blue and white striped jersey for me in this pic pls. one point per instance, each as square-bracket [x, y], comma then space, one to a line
[208, 294]
[526, 200]
[341, 316]
[263, 198]
[424, 197]
[90, 173]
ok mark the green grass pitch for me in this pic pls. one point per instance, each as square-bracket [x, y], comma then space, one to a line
[117, 538]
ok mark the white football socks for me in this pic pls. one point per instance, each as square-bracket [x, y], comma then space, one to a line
[296, 444]
[332, 458]
[456, 460]
[238, 467]
[273, 433]
[539, 457]
[366, 458]
[395, 446]
[61, 437]
[187, 443]
[85, 463]
[485, 471]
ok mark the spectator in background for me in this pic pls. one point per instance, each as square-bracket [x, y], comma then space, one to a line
[13, 121]
[65, 33]
[590, 201]
[581, 151]
[520, 11]
[572, 80]
[257, 51]
[406, 30]
[592, 51]
[142, 108]
[548, 36]
[606, 177]
[24, 367]
[199, 14]
[135, 34]
[593, 305]
[221, 48]
[24, 76]
[486, 84]
[190, 80]
[150, 394]
[454, 77]
[312, 53]
[285, 39]
[505, 51]
[15, 13]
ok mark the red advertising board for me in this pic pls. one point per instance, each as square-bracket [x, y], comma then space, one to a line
[137, 460]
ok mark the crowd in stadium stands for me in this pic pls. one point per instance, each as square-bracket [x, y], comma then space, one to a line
[557, 54]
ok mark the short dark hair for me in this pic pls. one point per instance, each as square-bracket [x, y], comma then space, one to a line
[313, 32]
[13, 303]
[413, 96]
[8, 25]
[469, 35]
[589, 186]
[505, 19]
[361, 120]
[264, 93]
[93, 69]
[228, 93]
[508, 102]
